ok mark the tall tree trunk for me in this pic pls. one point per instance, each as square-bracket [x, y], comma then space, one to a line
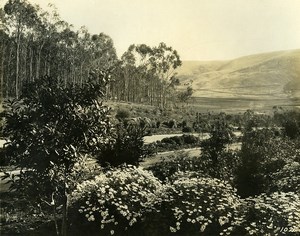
[38, 61]
[2, 73]
[18, 64]
[8, 75]
[25, 68]
[64, 225]
[80, 78]
[30, 64]
[55, 219]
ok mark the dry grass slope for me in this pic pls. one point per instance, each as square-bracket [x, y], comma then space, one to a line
[273, 78]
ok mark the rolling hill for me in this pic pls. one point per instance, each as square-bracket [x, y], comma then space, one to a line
[263, 80]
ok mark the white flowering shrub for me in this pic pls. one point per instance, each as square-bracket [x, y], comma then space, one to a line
[118, 198]
[288, 178]
[130, 201]
[200, 205]
[275, 214]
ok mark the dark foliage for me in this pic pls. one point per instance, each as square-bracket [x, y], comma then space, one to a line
[165, 169]
[262, 155]
[170, 124]
[49, 128]
[122, 114]
[3, 160]
[125, 147]
[187, 129]
[216, 158]
[176, 143]
[290, 121]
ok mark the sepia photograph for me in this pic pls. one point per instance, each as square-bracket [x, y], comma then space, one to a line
[149, 117]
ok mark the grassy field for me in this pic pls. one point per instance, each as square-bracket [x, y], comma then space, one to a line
[240, 105]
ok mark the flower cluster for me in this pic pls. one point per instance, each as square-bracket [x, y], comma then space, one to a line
[120, 196]
[275, 214]
[288, 178]
[201, 202]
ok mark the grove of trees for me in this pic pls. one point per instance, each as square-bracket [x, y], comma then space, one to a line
[35, 42]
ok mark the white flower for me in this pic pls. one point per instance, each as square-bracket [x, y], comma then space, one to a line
[223, 220]
[203, 227]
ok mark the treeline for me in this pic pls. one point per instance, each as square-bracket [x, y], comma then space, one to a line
[35, 42]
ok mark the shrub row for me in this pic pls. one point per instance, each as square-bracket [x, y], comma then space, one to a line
[177, 142]
[132, 201]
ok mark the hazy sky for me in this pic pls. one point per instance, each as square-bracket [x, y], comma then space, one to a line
[197, 29]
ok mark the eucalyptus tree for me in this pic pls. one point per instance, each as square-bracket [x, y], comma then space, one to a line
[4, 45]
[134, 68]
[35, 42]
[83, 49]
[40, 39]
[164, 60]
[185, 95]
[151, 68]
[21, 16]
[103, 55]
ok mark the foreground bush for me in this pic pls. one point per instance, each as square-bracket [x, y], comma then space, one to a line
[118, 198]
[131, 201]
[275, 214]
[262, 155]
[288, 178]
[49, 129]
[199, 206]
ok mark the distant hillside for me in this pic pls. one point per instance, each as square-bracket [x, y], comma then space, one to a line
[268, 76]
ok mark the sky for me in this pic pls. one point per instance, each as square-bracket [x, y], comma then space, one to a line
[197, 29]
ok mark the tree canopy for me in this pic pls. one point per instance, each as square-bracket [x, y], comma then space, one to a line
[35, 43]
